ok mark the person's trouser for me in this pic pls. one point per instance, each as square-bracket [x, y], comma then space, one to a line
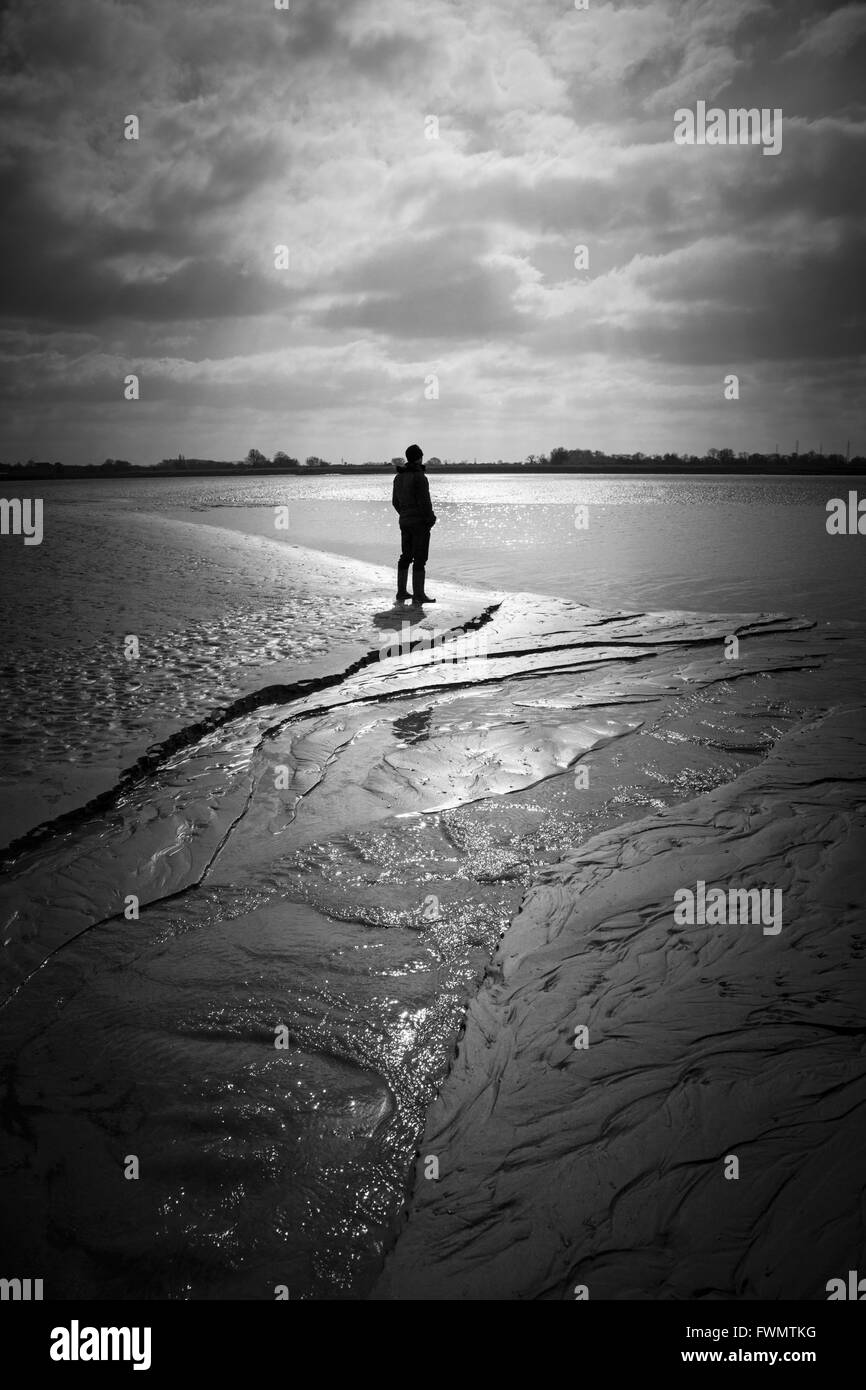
[415, 549]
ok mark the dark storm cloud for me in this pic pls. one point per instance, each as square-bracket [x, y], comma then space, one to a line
[60, 272]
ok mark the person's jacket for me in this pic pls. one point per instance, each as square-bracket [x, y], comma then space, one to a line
[411, 498]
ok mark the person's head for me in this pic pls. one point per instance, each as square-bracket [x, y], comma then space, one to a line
[414, 455]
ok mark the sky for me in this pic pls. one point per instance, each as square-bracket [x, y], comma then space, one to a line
[431, 166]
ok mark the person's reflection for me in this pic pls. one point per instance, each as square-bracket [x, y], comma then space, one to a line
[413, 728]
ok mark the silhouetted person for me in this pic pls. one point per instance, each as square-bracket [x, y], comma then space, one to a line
[411, 498]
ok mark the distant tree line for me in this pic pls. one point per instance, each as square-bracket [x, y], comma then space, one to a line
[255, 459]
[559, 459]
[725, 459]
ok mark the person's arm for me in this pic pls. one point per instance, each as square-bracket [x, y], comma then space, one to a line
[424, 500]
[394, 503]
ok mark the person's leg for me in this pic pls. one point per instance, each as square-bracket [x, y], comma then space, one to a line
[404, 562]
[420, 551]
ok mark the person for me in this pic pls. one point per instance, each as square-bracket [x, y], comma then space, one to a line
[410, 498]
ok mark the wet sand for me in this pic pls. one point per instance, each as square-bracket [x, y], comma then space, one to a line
[216, 616]
[361, 861]
[599, 1164]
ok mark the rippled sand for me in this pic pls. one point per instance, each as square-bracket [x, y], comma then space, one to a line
[345, 869]
[602, 1169]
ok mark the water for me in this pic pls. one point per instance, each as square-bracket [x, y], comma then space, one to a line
[322, 882]
[746, 544]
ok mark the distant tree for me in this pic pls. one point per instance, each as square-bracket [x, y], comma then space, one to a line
[255, 458]
[530, 458]
[284, 460]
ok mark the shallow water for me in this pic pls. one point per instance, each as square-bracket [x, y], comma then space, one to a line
[743, 545]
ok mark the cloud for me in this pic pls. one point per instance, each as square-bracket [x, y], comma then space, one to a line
[443, 286]
[309, 128]
[832, 34]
